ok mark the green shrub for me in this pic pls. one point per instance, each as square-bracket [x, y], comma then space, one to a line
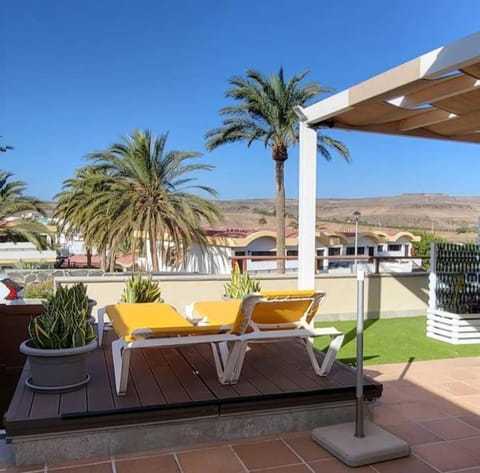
[39, 290]
[63, 322]
[139, 288]
[240, 284]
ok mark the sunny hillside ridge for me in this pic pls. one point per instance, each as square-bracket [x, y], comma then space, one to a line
[452, 217]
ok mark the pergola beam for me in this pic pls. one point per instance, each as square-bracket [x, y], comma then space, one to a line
[440, 88]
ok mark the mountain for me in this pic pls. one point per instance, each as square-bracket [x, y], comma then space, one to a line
[455, 216]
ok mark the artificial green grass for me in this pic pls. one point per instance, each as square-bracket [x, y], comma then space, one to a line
[394, 341]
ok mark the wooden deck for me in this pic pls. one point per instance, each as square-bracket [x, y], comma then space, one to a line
[170, 384]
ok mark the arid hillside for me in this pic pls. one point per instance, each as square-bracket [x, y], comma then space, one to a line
[454, 218]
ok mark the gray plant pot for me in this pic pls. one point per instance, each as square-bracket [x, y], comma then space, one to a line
[57, 370]
[91, 304]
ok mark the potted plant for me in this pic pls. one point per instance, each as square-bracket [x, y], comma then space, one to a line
[60, 339]
[240, 284]
[140, 289]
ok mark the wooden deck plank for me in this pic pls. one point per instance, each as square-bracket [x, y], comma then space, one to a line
[164, 385]
[244, 387]
[148, 391]
[165, 377]
[99, 391]
[22, 398]
[260, 356]
[296, 365]
[73, 401]
[200, 356]
[45, 405]
[188, 376]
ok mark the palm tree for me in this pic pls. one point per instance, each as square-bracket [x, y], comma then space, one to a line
[143, 190]
[265, 113]
[77, 211]
[12, 202]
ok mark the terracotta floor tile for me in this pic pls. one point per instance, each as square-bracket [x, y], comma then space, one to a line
[459, 388]
[446, 456]
[450, 407]
[419, 410]
[162, 463]
[450, 428]
[471, 419]
[210, 460]
[388, 415]
[307, 448]
[287, 469]
[265, 454]
[414, 433]
[472, 445]
[410, 464]
[336, 466]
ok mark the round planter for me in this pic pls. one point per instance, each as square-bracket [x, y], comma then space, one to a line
[57, 370]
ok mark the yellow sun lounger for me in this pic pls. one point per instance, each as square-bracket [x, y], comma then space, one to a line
[160, 325]
[275, 316]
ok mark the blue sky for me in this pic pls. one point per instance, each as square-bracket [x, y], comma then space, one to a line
[77, 75]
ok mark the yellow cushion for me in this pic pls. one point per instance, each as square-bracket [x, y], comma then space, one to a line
[160, 319]
[280, 312]
[223, 313]
[294, 293]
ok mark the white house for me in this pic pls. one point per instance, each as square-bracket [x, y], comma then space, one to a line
[255, 251]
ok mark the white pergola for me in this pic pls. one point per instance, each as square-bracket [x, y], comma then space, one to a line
[436, 95]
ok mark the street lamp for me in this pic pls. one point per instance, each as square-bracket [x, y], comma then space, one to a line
[356, 217]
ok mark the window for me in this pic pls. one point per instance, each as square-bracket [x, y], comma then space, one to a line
[380, 248]
[334, 251]
[351, 250]
[292, 252]
[394, 247]
[263, 253]
[239, 253]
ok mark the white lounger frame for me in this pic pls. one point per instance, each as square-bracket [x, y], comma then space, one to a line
[225, 358]
[228, 349]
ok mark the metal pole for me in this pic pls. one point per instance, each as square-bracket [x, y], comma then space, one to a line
[359, 431]
[356, 244]
[356, 216]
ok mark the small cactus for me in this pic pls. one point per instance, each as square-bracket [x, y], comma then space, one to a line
[140, 289]
[240, 284]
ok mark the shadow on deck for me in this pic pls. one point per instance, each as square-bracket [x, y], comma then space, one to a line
[174, 398]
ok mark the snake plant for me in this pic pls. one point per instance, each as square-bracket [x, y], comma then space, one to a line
[139, 288]
[240, 284]
[63, 322]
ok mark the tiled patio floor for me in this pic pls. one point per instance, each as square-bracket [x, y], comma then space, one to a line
[433, 405]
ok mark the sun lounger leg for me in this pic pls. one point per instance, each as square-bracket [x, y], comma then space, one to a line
[121, 365]
[329, 358]
[226, 361]
[237, 357]
[100, 325]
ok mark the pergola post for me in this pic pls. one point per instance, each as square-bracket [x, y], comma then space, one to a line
[307, 200]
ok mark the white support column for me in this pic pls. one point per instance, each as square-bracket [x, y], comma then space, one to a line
[307, 197]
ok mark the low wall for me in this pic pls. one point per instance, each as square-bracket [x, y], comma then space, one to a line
[26, 276]
[386, 295]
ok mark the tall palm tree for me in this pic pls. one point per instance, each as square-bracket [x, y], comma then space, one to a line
[145, 191]
[264, 113]
[12, 202]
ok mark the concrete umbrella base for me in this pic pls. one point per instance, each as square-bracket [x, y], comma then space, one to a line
[377, 445]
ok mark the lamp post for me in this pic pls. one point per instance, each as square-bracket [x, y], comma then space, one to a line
[356, 217]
